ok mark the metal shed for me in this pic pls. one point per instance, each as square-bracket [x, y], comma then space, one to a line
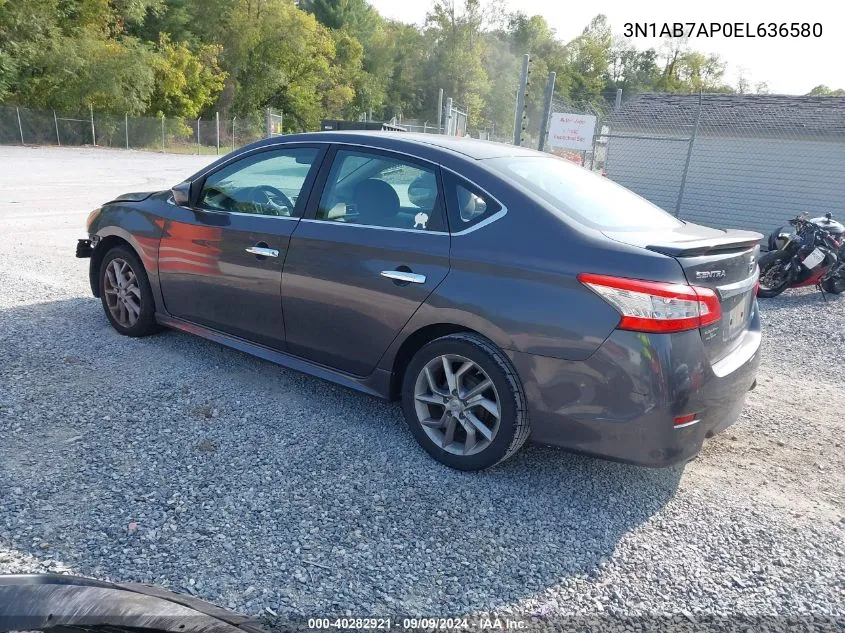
[732, 161]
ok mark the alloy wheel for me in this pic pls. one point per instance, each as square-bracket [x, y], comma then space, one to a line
[457, 404]
[122, 292]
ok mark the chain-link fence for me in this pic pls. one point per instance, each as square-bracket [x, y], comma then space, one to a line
[210, 135]
[730, 160]
[574, 132]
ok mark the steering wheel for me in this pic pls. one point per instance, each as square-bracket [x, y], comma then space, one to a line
[271, 199]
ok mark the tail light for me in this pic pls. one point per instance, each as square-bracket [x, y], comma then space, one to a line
[656, 306]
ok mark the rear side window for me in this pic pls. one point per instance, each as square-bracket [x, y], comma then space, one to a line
[468, 205]
[375, 189]
[583, 195]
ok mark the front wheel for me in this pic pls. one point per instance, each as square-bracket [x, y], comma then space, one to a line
[464, 403]
[126, 294]
[774, 276]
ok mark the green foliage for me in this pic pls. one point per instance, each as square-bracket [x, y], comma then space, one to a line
[823, 91]
[321, 59]
[186, 82]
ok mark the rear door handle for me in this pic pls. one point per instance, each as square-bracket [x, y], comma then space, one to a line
[401, 275]
[261, 251]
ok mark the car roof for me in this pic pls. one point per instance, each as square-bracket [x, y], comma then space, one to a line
[408, 141]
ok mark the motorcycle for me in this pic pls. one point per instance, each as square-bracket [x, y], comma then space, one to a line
[809, 255]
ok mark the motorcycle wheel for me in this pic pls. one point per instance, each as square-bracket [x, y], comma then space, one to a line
[834, 285]
[773, 278]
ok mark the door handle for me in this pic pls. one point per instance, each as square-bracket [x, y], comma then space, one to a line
[404, 276]
[261, 251]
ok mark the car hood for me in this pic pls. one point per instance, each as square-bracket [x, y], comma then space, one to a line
[136, 196]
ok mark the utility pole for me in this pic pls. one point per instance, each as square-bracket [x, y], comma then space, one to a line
[618, 99]
[547, 111]
[519, 115]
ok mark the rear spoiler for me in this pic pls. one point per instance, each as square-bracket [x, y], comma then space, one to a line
[735, 241]
[46, 601]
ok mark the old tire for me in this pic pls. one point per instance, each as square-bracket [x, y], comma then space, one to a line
[462, 421]
[126, 294]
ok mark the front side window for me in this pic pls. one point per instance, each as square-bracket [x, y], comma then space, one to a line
[586, 197]
[267, 183]
[378, 190]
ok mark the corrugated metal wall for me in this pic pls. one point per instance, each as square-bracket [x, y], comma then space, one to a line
[744, 183]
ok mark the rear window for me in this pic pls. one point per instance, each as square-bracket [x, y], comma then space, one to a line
[583, 195]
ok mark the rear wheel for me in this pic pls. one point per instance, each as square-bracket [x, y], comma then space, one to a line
[834, 285]
[464, 403]
[126, 294]
[774, 277]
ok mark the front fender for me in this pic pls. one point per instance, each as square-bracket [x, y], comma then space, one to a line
[120, 222]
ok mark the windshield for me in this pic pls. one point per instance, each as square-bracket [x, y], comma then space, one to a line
[583, 195]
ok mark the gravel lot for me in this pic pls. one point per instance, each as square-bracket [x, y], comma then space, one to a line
[175, 461]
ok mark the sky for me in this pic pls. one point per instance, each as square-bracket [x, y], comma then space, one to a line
[788, 65]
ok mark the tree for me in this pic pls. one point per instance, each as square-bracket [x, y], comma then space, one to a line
[587, 62]
[456, 62]
[823, 91]
[186, 83]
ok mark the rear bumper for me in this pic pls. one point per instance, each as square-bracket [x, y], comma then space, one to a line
[621, 402]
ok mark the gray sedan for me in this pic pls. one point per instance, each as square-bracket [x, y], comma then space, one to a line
[499, 293]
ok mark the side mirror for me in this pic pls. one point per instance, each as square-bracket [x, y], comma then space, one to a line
[182, 194]
[828, 215]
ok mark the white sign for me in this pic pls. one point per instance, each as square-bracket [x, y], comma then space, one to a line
[572, 131]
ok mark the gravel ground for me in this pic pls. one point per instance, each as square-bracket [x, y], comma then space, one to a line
[175, 461]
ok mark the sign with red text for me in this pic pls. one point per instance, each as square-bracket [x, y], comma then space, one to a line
[572, 131]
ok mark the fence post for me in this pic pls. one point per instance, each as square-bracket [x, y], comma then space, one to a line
[93, 134]
[281, 122]
[56, 121]
[20, 127]
[234, 118]
[440, 111]
[217, 121]
[447, 127]
[162, 134]
[198, 136]
[689, 157]
[126, 123]
[547, 111]
[596, 132]
[519, 115]
[268, 123]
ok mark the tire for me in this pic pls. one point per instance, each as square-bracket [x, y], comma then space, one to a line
[471, 448]
[834, 285]
[767, 260]
[137, 291]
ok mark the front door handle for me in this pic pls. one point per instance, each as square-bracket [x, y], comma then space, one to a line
[403, 276]
[261, 251]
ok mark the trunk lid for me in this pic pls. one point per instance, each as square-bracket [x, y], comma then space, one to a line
[723, 260]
